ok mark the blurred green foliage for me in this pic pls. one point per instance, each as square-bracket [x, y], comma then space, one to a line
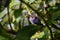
[47, 10]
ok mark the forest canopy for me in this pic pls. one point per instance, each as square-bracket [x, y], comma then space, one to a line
[16, 25]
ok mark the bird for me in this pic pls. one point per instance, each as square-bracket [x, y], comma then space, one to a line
[34, 20]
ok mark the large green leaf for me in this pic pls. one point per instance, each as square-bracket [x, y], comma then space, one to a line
[5, 35]
[3, 38]
[27, 32]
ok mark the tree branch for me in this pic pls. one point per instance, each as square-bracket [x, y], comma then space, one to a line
[39, 14]
[9, 17]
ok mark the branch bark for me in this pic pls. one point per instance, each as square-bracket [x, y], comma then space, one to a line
[9, 17]
[40, 15]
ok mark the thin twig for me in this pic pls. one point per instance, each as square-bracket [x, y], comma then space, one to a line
[9, 17]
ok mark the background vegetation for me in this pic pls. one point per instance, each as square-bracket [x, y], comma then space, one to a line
[14, 23]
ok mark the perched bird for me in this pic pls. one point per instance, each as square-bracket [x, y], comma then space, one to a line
[34, 19]
[58, 25]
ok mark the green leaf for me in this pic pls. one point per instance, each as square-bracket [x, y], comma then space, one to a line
[5, 35]
[27, 32]
[12, 3]
[4, 12]
[30, 1]
[41, 35]
[3, 38]
[17, 13]
[56, 15]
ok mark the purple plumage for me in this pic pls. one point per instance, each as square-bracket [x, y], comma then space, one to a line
[34, 20]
